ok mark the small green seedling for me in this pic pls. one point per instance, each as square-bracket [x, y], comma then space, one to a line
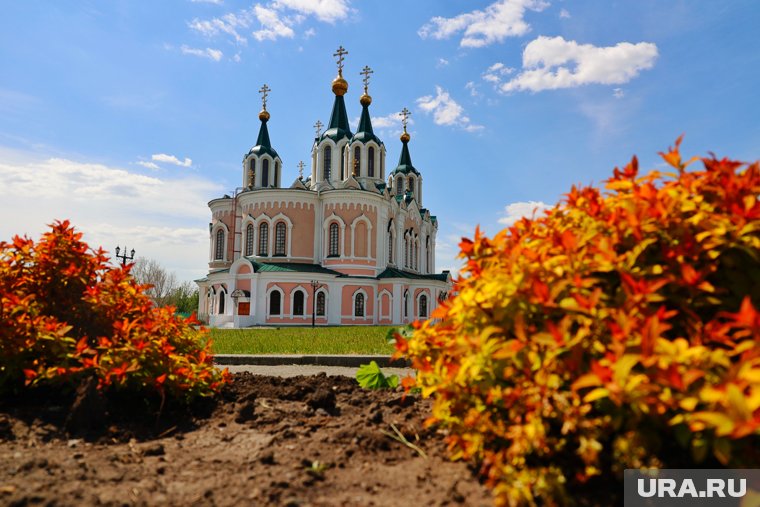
[370, 376]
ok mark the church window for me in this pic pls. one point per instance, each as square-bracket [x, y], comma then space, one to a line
[219, 247]
[357, 161]
[334, 240]
[406, 252]
[343, 162]
[264, 239]
[406, 304]
[275, 299]
[414, 254]
[265, 173]
[321, 303]
[298, 300]
[399, 185]
[327, 163]
[390, 248]
[276, 174]
[252, 173]
[222, 298]
[411, 185]
[428, 256]
[359, 305]
[423, 306]
[279, 238]
[371, 162]
[249, 240]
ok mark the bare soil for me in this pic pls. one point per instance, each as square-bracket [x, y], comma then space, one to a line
[300, 441]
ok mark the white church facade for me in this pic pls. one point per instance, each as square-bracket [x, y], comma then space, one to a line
[349, 244]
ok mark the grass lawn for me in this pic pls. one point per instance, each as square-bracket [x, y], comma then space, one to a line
[302, 340]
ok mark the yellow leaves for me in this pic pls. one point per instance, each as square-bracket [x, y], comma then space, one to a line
[596, 394]
[721, 423]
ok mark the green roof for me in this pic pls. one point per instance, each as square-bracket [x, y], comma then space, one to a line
[290, 267]
[263, 145]
[338, 127]
[364, 132]
[398, 273]
[405, 161]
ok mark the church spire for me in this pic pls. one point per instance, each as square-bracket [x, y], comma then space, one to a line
[338, 127]
[263, 144]
[364, 132]
[405, 160]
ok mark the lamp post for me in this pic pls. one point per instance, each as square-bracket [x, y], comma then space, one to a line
[314, 286]
[124, 257]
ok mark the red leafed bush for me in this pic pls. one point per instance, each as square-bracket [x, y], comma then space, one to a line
[619, 331]
[65, 315]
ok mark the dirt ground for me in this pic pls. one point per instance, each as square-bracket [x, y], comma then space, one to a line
[296, 441]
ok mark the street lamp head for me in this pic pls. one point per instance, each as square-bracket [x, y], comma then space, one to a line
[117, 251]
[132, 254]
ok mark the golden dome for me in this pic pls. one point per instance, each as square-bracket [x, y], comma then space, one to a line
[405, 137]
[365, 100]
[339, 86]
[264, 115]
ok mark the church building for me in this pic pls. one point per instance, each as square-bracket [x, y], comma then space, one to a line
[352, 243]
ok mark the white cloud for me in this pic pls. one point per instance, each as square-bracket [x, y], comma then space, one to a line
[550, 63]
[445, 110]
[171, 159]
[496, 22]
[564, 14]
[470, 85]
[272, 25]
[308, 34]
[618, 93]
[496, 72]
[230, 24]
[149, 165]
[517, 210]
[215, 2]
[161, 218]
[328, 11]
[213, 54]
[442, 62]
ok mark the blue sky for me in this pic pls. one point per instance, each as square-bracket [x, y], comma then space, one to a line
[129, 116]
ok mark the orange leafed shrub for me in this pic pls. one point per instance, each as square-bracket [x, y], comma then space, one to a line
[65, 314]
[619, 331]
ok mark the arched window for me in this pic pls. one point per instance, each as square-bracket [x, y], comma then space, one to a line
[298, 299]
[371, 162]
[359, 305]
[390, 247]
[275, 300]
[411, 185]
[334, 240]
[320, 303]
[276, 174]
[357, 161]
[428, 256]
[406, 304]
[265, 173]
[399, 185]
[415, 246]
[406, 252]
[326, 163]
[423, 306]
[222, 298]
[343, 162]
[279, 238]
[219, 246]
[264, 239]
[249, 240]
[252, 173]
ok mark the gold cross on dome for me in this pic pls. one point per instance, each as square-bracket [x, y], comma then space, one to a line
[366, 71]
[404, 114]
[318, 126]
[340, 53]
[300, 170]
[264, 91]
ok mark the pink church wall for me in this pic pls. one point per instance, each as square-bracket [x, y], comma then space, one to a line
[301, 215]
[348, 213]
[347, 303]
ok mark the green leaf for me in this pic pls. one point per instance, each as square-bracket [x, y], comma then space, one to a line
[370, 376]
